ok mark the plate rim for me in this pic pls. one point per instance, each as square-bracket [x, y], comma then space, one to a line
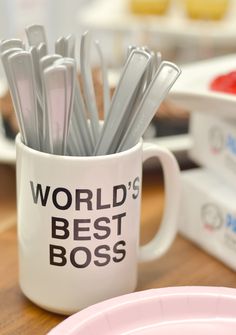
[96, 310]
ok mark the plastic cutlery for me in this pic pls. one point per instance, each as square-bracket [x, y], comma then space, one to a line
[11, 43]
[55, 83]
[36, 35]
[154, 95]
[21, 67]
[88, 88]
[130, 49]
[47, 61]
[158, 60]
[79, 119]
[70, 46]
[79, 133]
[59, 115]
[60, 46]
[44, 62]
[132, 106]
[106, 89]
[130, 111]
[65, 46]
[74, 147]
[133, 71]
[37, 53]
[36, 58]
[75, 143]
[42, 50]
[40, 61]
[4, 56]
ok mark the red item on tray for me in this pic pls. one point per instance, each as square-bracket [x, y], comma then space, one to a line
[225, 83]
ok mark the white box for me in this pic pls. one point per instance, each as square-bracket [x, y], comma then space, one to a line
[214, 144]
[208, 214]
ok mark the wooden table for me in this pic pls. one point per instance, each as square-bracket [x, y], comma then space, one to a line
[184, 263]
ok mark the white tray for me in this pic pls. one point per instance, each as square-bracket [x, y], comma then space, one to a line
[191, 91]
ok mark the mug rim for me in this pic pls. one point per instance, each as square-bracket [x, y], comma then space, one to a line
[23, 147]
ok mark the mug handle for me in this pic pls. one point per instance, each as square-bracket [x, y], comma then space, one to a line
[168, 227]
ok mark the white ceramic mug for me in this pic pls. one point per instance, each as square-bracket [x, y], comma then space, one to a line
[79, 224]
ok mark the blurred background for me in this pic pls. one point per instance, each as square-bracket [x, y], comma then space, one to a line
[183, 30]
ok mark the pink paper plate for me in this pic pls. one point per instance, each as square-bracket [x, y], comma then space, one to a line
[166, 311]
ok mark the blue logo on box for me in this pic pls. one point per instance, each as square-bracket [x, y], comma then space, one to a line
[231, 144]
[231, 222]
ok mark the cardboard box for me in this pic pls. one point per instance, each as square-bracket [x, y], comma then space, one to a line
[208, 214]
[214, 144]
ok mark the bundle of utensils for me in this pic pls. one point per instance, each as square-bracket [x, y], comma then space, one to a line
[53, 114]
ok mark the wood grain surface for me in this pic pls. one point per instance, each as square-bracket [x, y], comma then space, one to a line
[183, 264]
